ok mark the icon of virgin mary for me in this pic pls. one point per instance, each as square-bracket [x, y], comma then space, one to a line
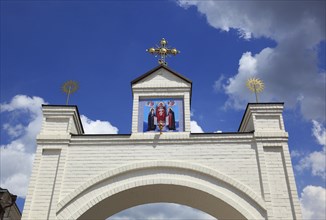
[161, 112]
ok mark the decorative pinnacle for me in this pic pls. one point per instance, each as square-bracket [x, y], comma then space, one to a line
[255, 85]
[69, 87]
[163, 51]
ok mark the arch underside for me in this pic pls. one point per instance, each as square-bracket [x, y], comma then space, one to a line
[162, 193]
[152, 182]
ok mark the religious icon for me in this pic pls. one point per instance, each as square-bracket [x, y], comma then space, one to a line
[161, 112]
[171, 119]
[161, 115]
[151, 120]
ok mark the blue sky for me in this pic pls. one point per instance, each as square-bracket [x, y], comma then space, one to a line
[101, 44]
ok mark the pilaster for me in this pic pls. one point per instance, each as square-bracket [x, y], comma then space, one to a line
[59, 122]
[265, 121]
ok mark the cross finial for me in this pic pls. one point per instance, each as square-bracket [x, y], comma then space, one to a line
[163, 51]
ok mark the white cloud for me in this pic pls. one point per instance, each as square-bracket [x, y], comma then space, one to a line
[97, 127]
[313, 198]
[295, 81]
[319, 132]
[195, 128]
[16, 170]
[17, 156]
[273, 19]
[313, 202]
[289, 70]
[296, 154]
[23, 102]
[235, 87]
[315, 161]
[218, 84]
[13, 130]
[161, 211]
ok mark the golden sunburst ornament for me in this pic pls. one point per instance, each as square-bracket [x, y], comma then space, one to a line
[255, 85]
[69, 87]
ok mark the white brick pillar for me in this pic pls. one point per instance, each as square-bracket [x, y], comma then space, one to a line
[59, 122]
[265, 120]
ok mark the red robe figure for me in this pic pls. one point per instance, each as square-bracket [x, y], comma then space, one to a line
[160, 113]
[171, 119]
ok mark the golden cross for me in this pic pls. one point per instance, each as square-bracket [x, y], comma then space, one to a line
[163, 51]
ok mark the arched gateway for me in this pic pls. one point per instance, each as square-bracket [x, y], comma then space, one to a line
[239, 175]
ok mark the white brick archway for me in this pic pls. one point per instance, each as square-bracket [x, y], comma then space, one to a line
[248, 172]
[162, 181]
[241, 175]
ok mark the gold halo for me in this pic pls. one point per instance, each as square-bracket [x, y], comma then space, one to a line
[70, 86]
[255, 85]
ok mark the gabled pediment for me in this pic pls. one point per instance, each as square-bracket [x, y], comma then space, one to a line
[161, 77]
[166, 92]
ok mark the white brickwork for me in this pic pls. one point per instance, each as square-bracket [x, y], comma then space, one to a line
[241, 175]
